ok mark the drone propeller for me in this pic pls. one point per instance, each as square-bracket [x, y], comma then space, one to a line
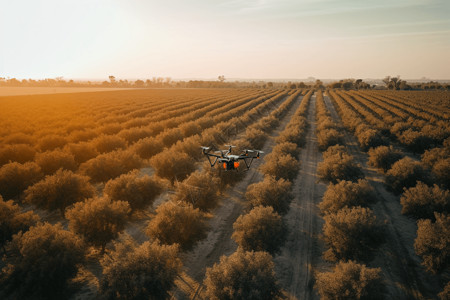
[205, 148]
[230, 146]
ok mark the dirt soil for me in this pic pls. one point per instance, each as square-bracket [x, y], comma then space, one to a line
[404, 276]
[301, 255]
[218, 241]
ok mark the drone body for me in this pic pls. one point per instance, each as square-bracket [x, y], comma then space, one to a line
[230, 161]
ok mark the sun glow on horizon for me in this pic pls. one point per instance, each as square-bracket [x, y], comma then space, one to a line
[240, 39]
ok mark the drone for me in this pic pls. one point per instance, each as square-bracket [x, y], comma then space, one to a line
[231, 161]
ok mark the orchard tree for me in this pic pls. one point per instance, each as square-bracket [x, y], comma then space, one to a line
[178, 223]
[384, 157]
[346, 194]
[139, 192]
[13, 220]
[16, 177]
[339, 166]
[147, 271]
[261, 229]
[60, 190]
[350, 280]
[433, 243]
[243, 275]
[422, 201]
[271, 192]
[405, 173]
[44, 259]
[98, 220]
[199, 189]
[351, 233]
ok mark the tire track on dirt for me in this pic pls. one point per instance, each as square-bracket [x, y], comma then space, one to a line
[294, 265]
[218, 241]
[406, 278]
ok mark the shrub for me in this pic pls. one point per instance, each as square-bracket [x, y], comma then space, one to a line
[133, 135]
[281, 166]
[261, 229]
[139, 192]
[172, 165]
[441, 171]
[242, 275]
[333, 150]
[51, 142]
[20, 153]
[110, 165]
[51, 161]
[59, 190]
[445, 294]
[15, 178]
[329, 137]
[337, 167]
[44, 259]
[170, 136]
[369, 138]
[178, 224]
[350, 280]
[271, 192]
[433, 243]
[405, 173]
[256, 137]
[416, 141]
[147, 147]
[147, 271]
[13, 220]
[346, 193]
[351, 233]
[190, 128]
[199, 189]
[422, 201]
[82, 151]
[98, 220]
[286, 148]
[108, 143]
[19, 138]
[384, 157]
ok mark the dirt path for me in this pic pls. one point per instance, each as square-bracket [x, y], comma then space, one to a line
[218, 241]
[405, 278]
[301, 252]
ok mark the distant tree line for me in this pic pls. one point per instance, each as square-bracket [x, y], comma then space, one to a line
[391, 83]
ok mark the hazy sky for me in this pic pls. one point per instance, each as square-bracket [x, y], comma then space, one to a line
[238, 38]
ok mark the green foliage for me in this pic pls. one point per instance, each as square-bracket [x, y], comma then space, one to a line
[59, 190]
[178, 223]
[199, 189]
[405, 173]
[270, 192]
[350, 280]
[98, 220]
[351, 233]
[139, 192]
[261, 229]
[433, 243]
[346, 193]
[384, 157]
[147, 271]
[422, 201]
[242, 275]
[16, 177]
[13, 220]
[44, 259]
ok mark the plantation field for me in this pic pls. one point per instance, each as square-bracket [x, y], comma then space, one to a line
[15, 91]
[108, 194]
